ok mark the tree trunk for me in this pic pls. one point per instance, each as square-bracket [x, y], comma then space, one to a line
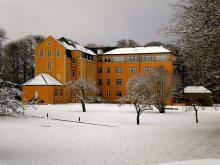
[17, 74]
[138, 113]
[162, 110]
[24, 72]
[32, 70]
[196, 113]
[83, 105]
[138, 118]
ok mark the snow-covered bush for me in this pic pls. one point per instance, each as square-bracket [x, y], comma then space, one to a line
[10, 101]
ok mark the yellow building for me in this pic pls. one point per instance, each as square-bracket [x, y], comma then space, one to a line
[43, 89]
[117, 66]
[66, 60]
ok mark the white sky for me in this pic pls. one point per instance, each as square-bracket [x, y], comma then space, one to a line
[86, 21]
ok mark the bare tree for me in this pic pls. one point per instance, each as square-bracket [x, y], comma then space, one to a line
[195, 27]
[152, 88]
[154, 43]
[91, 45]
[80, 90]
[162, 84]
[2, 38]
[172, 47]
[139, 93]
[12, 62]
[19, 58]
[126, 43]
[132, 43]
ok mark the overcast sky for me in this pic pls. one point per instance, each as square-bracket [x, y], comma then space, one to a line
[86, 21]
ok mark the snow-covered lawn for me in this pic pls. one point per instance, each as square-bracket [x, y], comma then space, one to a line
[160, 138]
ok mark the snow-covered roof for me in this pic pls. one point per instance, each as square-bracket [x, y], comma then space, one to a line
[141, 50]
[72, 45]
[43, 79]
[196, 89]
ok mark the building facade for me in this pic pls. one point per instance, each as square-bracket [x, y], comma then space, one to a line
[117, 66]
[66, 60]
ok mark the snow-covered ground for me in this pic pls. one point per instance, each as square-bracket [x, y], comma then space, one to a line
[160, 138]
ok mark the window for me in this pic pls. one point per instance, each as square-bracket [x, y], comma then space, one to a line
[118, 81]
[146, 69]
[49, 65]
[99, 59]
[73, 60]
[108, 82]
[56, 92]
[146, 58]
[49, 53]
[41, 53]
[118, 69]
[100, 94]
[73, 73]
[58, 53]
[99, 70]
[61, 92]
[132, 58]
[85, 56]
[99, 81]
[107, 59]
[118, 93]
[132, 69]
[108, 70]
[49, 43]
[161, 58]
[92, 58]
[118, 59]
[107, 93]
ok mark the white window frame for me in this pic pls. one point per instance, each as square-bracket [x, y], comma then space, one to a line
[118, 70]
[108, 94]
[99, 70]
[49, 53]
[108, 81]
[146, 69]
[49, 65]
[133, 69]
[100, 59]
[118, 93]
[132, 58]
[41, 53]
[118, 82]
[58, 53]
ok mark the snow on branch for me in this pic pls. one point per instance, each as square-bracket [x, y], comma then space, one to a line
[9, 98]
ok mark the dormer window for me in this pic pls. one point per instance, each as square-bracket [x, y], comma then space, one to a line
[107, 59]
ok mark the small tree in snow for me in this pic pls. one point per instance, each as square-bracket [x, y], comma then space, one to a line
[162, 86]
[139, 93]
[9, 98]
[80, 88]
[152, 88]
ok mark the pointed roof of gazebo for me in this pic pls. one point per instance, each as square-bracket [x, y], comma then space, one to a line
[43, 79]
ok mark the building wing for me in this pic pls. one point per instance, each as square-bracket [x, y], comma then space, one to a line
[73, 45]
[139, 50]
